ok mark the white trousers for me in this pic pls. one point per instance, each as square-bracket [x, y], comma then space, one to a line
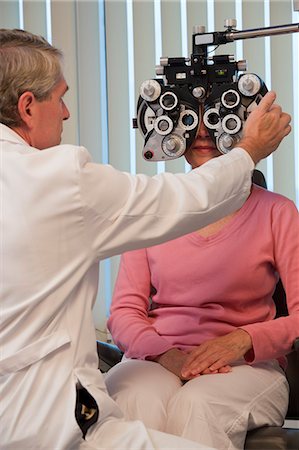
[133, 435]
[214, 410]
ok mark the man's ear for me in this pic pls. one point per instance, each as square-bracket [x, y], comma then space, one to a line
[26, 107]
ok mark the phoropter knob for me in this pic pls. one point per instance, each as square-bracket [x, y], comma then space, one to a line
[198, 92]
[249, 84]
[230, 23]
[150, 90]
[226, 143]
[173, 145]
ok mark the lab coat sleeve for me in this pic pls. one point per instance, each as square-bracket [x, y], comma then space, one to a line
[123, 212]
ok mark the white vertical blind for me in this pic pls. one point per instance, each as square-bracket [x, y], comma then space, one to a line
[296, 102]
[111, 46]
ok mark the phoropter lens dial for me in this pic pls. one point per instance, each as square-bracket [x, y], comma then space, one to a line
[226, 142]
[173, 145]
[163, 125]
[211, 118]
[231, 124]
[168, 101]
[188, 119]
[230, 99]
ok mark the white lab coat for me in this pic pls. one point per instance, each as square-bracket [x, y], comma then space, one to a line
[60, 215]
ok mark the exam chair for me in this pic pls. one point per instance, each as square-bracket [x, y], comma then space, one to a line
[264, 438]
[287, 437]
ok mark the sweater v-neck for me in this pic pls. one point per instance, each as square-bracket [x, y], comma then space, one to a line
[232, 225]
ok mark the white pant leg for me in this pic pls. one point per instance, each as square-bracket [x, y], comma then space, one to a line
[118, 434]
[216, 410]
[142, 390]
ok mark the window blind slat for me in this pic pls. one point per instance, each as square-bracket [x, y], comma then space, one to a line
[282, 77]
[9, 14]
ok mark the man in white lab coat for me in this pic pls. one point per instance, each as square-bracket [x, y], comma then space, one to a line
[60, 215]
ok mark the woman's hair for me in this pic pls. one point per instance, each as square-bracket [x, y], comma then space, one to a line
[27, 63]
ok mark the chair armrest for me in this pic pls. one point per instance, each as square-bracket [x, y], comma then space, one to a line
[109, 355]
[293, 380]
[296, 344]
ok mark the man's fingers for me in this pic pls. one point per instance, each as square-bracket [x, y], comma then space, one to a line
[267, 101]
[283, 125]
[286, 119]
[275, 108]
[288, 129]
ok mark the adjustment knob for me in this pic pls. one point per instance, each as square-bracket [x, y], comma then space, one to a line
[226, 143]
[170, 144]
[164, 61]
[159, 70]
[242, 65]
[198, 29]
[230, 23]
[173, 145]
[150, 90]
[198, 92]
[148, 154]
[249, 84]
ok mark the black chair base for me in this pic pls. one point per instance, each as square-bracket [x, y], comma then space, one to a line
[272, 438]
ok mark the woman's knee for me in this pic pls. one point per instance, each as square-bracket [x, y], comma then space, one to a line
[142, 389]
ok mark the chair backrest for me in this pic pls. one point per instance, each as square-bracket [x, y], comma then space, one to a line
[280, 300]
[259, 178]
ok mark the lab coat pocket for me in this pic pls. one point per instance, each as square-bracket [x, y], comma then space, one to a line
[34, 352]
[92, 380]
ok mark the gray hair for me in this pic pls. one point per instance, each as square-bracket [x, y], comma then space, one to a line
[27, 63]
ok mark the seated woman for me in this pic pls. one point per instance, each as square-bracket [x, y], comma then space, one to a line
[204, 353]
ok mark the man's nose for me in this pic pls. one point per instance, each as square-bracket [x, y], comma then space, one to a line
[66, 113]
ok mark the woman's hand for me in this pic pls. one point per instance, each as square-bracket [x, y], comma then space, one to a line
[175, 359]
[215, 354]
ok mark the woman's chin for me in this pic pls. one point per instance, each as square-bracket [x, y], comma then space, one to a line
[199, 156]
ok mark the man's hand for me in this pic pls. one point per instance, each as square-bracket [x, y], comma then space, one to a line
[216, 353]
[174, 360]
[265, 128]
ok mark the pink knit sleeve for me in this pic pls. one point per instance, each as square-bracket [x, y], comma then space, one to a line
[275, 338]
[129, 323]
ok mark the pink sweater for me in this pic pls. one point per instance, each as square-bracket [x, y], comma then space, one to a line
[206, 287]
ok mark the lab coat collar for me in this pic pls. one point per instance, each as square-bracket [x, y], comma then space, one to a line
[7, 134]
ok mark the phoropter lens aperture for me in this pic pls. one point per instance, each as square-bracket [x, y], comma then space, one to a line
[211, 118]
[231, 124]
[163, 125]
[188, 119]
[168, 101]
[230, 99]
